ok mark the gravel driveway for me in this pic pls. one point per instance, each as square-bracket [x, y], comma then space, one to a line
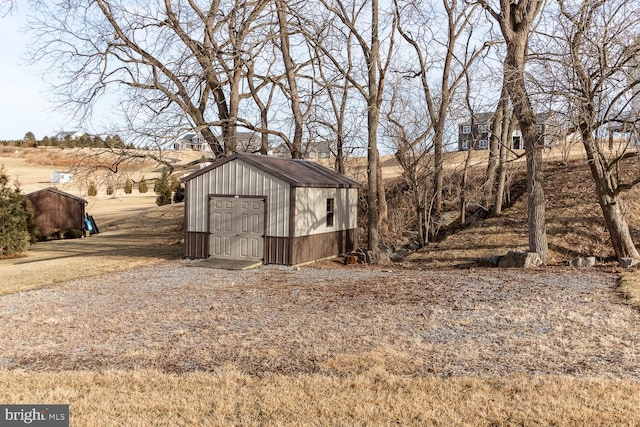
[178, 317]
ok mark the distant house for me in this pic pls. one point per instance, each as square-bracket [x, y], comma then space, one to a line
[311, 150]
[317, 150]
[57, 213]
[248, 142]
[477, 134]
[192, 141]
[74, 134]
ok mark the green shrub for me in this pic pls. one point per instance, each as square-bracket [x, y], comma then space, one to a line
[72, 233]
[128, 187]
[162, 188]
[110, 190]
[178, 195]
[18, 228]
[93, 190]
[143, 187]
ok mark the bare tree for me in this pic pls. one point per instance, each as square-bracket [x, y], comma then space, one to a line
[506, 129]
[516, 20]
[410, 130]
[442, 38]
[592, 55]
[295, 146]
[371, 88]
[177, 65]
[7, 6]
[335, 116]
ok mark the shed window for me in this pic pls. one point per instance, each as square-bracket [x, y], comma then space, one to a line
[330, 212]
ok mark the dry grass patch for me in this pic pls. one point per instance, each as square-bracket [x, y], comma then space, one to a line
[228, 397]
[630, 286]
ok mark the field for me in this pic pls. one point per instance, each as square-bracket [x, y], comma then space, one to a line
[127, 333]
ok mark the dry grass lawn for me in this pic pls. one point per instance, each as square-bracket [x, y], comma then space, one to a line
[149, 236]
[179, 344]
[227, 397]
[630, 286]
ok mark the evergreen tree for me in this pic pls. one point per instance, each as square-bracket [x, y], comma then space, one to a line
[93, 190]
[163, 189]
[128, 187]
[143, 187]
[18, 228]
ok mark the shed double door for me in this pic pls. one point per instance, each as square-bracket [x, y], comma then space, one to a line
[236, 226]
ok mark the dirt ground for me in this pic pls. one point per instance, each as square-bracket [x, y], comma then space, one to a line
[178, 317]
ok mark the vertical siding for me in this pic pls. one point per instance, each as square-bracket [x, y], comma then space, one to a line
[312, 247]
[196, 245]
[55, 212]
[311, 210]
[237, 178]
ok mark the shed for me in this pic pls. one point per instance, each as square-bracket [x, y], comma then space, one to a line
[57, 213]
[270, 209]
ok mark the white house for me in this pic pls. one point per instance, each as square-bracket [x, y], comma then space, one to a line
[192, 141]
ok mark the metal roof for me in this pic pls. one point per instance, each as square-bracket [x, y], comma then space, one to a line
[62, 193]
[296, 172]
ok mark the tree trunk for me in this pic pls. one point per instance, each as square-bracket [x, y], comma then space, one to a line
[339, 162]
[495, 148]
[372, 125]
[507, 131]
[613, 210]
[264, 137]
[463, 190]
[523, 110]
[609, 199]
[231, 138]
[296, 145]
[438, 171]
[383, 214]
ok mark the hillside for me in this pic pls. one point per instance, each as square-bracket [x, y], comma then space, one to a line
[575, 226]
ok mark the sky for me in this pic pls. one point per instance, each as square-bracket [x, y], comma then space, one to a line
[25, 105]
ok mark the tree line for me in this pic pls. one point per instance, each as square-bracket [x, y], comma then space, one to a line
[85, 140]
[364, 73]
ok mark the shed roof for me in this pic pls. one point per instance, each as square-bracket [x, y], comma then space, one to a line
[55, 190]
[296, 172]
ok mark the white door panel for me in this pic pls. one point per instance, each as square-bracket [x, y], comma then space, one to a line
[236, 228]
